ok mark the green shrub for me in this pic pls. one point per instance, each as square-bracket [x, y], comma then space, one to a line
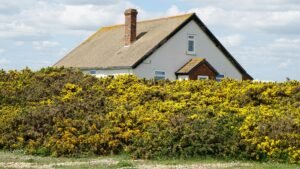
[62, 112]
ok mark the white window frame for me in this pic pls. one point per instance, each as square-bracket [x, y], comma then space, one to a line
[191, 37]
[183, 77]
[202, 77]
[220, 77]
[159, 75]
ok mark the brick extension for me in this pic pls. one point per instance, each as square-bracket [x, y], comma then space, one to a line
[196, 67]
[202, 69]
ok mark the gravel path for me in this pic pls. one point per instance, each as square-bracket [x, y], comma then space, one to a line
[24, 165]
[197, 166]
[108, 162]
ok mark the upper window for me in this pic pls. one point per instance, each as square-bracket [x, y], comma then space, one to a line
[191, 44]
[160, 75]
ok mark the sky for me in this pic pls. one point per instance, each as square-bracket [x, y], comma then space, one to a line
[262, 35]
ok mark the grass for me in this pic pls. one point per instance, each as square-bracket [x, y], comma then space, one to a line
[17, 160]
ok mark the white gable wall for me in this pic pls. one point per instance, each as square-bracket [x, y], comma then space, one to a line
[173, 55]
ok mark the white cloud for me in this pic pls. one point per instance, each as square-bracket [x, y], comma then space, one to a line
[19, 43]
[3, 61]
[62, 52]
[173, 10]
[16, 29]
[81, 2]
[39, 18]
[253, 5]
[280, 53]
[281, 22]
[42, 45]
[232, 40]
[284, 43]
[2, 51]
[285, 64]
[89, 16]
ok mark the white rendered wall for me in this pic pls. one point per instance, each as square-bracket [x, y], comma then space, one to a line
[173, 55]
[113, 72]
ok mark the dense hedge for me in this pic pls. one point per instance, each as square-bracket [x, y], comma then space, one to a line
[62, 112]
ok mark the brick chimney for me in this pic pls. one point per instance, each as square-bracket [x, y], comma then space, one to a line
[130, 26]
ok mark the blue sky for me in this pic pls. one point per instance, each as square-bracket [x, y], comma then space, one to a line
[263, 35]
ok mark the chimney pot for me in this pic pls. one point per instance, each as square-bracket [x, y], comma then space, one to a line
[130, 26]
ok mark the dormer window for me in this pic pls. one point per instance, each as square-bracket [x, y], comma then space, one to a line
[191, 44]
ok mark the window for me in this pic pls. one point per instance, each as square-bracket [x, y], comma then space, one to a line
[160, 75]
[220, 77]
[183, 77]
[201, 77]
[93, 72]
[191, 44]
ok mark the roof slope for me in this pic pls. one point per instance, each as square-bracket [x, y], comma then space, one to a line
[192, 64]
[105, 49]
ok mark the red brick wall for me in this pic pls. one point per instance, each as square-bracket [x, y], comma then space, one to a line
[202, 69]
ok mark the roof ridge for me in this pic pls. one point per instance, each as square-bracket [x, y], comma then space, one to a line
[151, 20]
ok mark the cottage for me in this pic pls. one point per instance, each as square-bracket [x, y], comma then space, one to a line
[178, 47]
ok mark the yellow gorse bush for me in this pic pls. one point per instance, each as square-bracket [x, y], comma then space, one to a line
[62, 112]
